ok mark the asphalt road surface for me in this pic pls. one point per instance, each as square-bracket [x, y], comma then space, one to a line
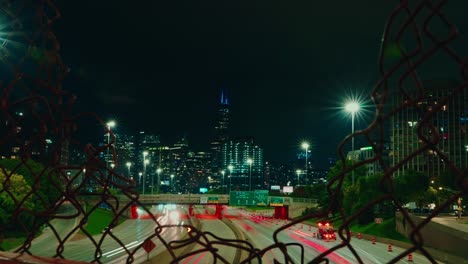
[260, 232]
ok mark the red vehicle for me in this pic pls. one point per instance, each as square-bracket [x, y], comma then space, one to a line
[326, 231]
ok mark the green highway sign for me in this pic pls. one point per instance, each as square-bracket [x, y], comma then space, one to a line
[212, 200]
[261, 197]
[248, 198]
[276, 201]
[241, 198]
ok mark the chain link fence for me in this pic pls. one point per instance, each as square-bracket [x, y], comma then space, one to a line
[40, 127]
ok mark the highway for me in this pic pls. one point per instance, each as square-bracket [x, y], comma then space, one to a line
[257, 230]
[208, 223]
[260, 232]
[131, 233]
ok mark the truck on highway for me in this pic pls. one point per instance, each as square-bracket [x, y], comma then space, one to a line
[325, 231]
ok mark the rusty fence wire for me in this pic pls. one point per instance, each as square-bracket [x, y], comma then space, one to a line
[39, 128]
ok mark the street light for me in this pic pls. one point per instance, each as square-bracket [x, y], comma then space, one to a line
[158, 171]
[352, 107]
[222, 172]
[250, 161]
[145, 162]
[139, 176]
[305, 146]
[112, 165]
[172, 179]
[230, 167]
[109, 125]
[129, 164]
[298, 172]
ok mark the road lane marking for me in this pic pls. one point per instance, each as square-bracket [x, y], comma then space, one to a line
[121, 249]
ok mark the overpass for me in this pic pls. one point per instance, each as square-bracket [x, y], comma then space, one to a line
[285, 207]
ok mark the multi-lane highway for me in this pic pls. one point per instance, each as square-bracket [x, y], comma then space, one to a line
[260, 230]
[130, 233]
[257, 230]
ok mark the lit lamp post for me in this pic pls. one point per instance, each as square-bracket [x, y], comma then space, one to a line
[172, 181]
[222, 172]
[298, 172]
[230, 167]
[250, 161]
[158, 171]
[352, 107]
[128, 164]
[139, 177]
[109, 126]
[305, 146]
[145, 161]
[112, 165]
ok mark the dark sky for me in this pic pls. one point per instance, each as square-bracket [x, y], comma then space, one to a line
[159, 66]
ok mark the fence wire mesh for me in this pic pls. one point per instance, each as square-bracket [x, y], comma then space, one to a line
[40, 126]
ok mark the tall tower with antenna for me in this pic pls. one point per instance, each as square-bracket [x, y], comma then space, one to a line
[221, 132]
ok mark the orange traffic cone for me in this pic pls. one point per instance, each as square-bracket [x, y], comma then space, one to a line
[410, 257]
[359, 236]
[390, 248]
[373, 240]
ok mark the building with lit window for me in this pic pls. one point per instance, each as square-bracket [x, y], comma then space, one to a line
[221, 134]
[449, 124]
[237, 152]
[367, 153]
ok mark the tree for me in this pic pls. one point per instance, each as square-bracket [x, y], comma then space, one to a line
[45, 182]
[346, 195]
[13, 190]
[410, 186]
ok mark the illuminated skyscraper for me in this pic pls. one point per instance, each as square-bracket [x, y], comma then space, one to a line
[450, 124]
[237, 152]
[221, 134]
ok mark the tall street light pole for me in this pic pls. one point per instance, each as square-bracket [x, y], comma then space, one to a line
[172, 182]
[230, 167]
[250, 161]
[109, 126]
[129, 164]
[305, 146]
[158, 171]
[145, 161]
[353, 108]
[223, 189]
[139, 177]
[298, 172]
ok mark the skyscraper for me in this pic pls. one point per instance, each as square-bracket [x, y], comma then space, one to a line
[221, 134]
[449, 124]
[237, 152]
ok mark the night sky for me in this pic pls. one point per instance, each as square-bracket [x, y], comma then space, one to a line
[287, 65]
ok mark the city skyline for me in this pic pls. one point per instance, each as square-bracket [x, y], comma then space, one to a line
[288, 76]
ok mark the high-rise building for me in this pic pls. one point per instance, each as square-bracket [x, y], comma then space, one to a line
[367, 153]
[198, 172]
[450, 124]
[178, 166]
[221, 134]
[237, 152]
[125, 149]
[146, 157]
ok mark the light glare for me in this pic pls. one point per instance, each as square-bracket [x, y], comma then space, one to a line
[352, 107]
